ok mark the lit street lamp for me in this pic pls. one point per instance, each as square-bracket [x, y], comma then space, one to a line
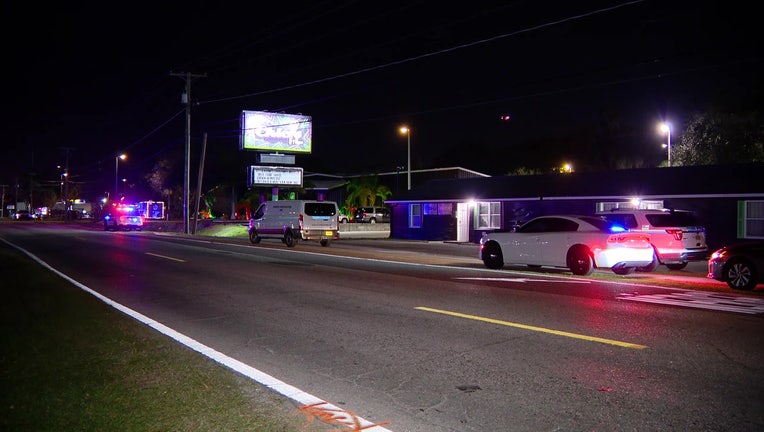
[666, 128]
[116, 175]
[407, 131]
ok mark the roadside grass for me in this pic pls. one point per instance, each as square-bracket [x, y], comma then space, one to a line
[225, 230]
[70, 362]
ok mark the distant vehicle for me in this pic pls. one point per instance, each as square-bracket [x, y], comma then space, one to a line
[579, 243]
[23, 215]
[294, 220]
[342, 218]
[372, 214]
[676, 235]
[740, 265]
[122, 217]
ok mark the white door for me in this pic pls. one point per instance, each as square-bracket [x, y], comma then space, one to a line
[462, 222]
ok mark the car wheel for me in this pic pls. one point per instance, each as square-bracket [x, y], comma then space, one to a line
[650, 267]
[253, 237]
[372, 220]
[580, 261]
[623, 271]
[289, 239]
[324, 242]
[740, 274]
[492, 256]
[679, 266]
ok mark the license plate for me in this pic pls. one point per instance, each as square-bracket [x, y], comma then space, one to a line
[328, 233]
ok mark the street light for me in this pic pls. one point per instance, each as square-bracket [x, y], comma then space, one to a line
[407, 131]
[116, 175]
[666, 128]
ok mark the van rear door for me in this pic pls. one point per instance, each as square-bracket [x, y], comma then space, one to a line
[321, 215]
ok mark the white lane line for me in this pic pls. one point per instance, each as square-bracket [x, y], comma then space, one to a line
[522, 280]
[337, 415]
[165, 257]
[702, 300]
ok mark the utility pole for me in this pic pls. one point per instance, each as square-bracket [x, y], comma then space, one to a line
[187, 76]
[66, 184]
[2, 199]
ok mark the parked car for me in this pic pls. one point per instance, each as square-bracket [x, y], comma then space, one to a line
[579, 243]
[676, 235]
[122, 217]
[741, 265]
[372, 214]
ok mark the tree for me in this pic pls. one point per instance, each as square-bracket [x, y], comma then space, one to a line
[718, 138]
[366, 191]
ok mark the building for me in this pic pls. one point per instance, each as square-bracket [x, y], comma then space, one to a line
[729, 199]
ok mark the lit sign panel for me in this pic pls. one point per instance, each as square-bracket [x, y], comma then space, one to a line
[267, 131]
[274, 176]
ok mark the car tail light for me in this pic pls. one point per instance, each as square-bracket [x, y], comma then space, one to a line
[677, 233]
[300, 220]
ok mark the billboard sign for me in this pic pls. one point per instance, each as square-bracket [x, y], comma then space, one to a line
[275, 132]
[274, 176]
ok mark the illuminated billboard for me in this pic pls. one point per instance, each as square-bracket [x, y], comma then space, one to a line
[274, 176]
[276, 132]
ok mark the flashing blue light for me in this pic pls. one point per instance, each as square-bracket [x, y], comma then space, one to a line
[107, 217]
[617, 228]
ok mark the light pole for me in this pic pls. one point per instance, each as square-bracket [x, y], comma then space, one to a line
[116, 175]
[666, 128]
[407, 131]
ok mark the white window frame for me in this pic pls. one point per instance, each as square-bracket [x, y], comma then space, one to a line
[751, 219]
[488, 215]
[415, 217]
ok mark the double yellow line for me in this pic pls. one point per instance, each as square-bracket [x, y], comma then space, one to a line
[534, 328]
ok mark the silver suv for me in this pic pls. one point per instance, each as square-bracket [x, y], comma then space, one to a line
[372, 214]
[676, 235]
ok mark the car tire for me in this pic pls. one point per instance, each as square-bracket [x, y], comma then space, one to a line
[492, 256]
[289, 239]
[253, 237]
[324, 242]
[580, 261]
[372, 220]
[623, 271]
[679, 266]
[740, 274]
[650, 267]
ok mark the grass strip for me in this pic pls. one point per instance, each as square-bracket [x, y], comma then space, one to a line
[69, 362]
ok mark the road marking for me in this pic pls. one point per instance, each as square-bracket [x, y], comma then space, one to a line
[534, 328]
[522, 280]
[702, 300]
[338, 415]
[165, 257]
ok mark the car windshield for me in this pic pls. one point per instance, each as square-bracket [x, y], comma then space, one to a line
[602, 224]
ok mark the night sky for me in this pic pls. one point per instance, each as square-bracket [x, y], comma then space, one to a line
[584, 82]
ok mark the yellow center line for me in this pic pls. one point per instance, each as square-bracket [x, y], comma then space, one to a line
[165, 257]
[534, 328]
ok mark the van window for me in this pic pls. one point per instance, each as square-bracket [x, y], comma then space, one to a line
[320, 209]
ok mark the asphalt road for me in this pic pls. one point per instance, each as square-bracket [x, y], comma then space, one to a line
[431, 340]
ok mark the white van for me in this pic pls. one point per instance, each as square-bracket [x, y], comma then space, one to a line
[293, 220]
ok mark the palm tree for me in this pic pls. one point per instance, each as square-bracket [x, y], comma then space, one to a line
[366, 191]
